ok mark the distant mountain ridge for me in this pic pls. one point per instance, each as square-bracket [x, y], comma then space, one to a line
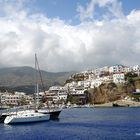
[16, 77]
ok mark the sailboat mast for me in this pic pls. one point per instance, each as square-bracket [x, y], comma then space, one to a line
[37, 88]
[38, 70]
[36, 83]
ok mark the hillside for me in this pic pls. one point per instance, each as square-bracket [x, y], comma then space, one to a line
[23, 78]
[109, 92]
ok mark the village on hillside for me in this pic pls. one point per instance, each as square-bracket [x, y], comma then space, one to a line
[73, 91]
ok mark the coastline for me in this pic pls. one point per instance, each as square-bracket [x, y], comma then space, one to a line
[119, 103]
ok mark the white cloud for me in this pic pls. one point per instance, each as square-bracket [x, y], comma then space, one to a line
[114, 9]
[87, 12]
[63, 47]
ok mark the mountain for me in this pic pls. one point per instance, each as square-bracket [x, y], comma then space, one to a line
[23, 78]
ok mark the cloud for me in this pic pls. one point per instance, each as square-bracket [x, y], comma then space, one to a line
[87, 12]
[63, 47]
[114, 8]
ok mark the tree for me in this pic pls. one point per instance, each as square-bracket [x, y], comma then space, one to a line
[22, 101]
[88, 97]
[129, 77]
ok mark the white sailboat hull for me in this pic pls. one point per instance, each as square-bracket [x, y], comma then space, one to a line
[26, 118]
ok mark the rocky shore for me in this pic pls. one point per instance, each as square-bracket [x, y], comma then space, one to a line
[119, 103]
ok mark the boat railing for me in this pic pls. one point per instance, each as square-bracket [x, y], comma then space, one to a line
[15, 109]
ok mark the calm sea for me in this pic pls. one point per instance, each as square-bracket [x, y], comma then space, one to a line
[80, 124]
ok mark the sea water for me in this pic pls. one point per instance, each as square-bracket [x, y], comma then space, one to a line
[80, 124]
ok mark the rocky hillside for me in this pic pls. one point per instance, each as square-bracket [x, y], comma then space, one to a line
[110, 91]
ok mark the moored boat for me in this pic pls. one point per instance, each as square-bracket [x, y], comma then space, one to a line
[54, 113]
[26, 117]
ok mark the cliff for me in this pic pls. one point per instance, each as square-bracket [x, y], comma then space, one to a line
[109, 92]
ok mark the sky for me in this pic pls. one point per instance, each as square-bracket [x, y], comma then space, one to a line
[69, 35]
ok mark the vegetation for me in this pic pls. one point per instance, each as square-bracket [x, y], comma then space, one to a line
[22, 101]
[73, 99]
[6, 89]
[129, 77]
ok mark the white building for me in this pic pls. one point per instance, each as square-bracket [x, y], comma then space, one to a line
[58, 93]
[92, 76]
[136, 69]
[62, 95]
[105, 69]
[10, 99]
[71, 85]
[87, 84]
[80, 83]
[39, 96]
[119, 78]
[96, 83]
[108, 78]
[128, 69]
[15, 98]
[96, 71]
[77, 91]
[116, 69]
[20, 93]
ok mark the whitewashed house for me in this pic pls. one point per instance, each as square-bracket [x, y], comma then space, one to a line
[80, 83]
[58, 93]
[10, 99]
[136, 69]
[78, 91]
[92, 76]
[39, 96]
[119, 78]
[116, 69]
[128, 69]
[71, 85]
[87, 84]
[107, 78]
[96, 83]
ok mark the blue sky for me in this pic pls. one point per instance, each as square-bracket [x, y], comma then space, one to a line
[69, 35]
[67, 9]
[64, 9]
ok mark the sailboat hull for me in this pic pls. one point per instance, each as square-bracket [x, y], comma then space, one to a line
[26, 118]
[2, 118]
[54, 113]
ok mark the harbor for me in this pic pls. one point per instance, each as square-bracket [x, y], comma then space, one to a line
[80, 123]
[69, 70]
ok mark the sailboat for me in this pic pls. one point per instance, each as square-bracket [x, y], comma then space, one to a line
[53, 112]
[31, 115]
[26, 117]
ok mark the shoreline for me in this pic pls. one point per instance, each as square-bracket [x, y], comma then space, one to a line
[119, 103]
